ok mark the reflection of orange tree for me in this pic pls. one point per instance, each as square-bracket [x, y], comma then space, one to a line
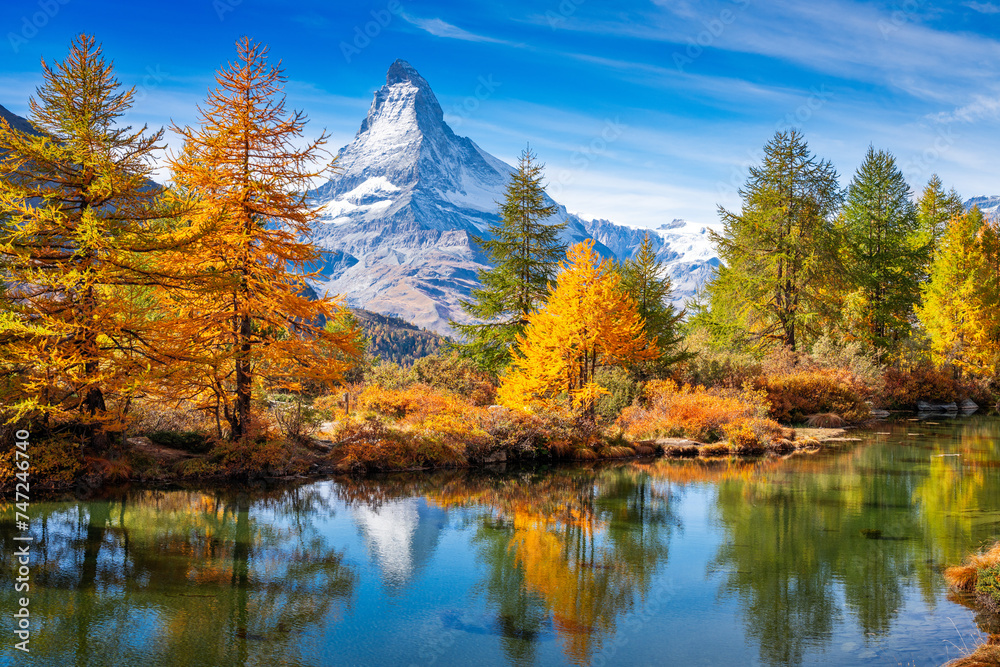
[711, 471]
[204, 570]
[566, 543]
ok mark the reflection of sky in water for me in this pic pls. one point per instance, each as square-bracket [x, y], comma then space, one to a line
[827, 559]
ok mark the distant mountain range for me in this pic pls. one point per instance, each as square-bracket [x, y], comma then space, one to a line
[16, 121]
[398, 218]
[990, 206]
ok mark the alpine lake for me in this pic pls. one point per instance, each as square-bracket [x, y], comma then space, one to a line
[830, 558]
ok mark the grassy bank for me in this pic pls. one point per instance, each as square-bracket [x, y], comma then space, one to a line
[979, 577]
[441, 413]
[374, 428]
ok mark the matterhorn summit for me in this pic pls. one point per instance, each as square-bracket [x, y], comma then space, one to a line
[398, 218]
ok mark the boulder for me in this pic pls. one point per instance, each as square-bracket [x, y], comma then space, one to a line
[499, 456]
[968, 405]
[924, 406]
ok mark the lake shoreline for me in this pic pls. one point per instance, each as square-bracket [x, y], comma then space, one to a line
[321, 463]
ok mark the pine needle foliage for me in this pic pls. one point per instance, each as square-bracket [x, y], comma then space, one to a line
[82, 222]
[776, 250]
[645, 279]
[524, 251]
[245, 321]
[960, 305]
[587, 322]
[883, 254]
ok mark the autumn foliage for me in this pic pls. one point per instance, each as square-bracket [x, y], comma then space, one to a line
[79, 224]
[794, 396]
[243, 316]
[699, 413]
[587, 321]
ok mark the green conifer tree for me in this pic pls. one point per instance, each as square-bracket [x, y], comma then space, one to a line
[934, 209]
[524, 251]
[645, 279]
[883, 253]
[777, 249]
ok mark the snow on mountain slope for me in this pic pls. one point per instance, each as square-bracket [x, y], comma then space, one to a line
[989, 205]
[399, 216]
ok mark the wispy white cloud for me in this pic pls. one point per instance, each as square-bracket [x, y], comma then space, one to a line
[983, 7]
[845, 39]
[440, 28]
[981, 107]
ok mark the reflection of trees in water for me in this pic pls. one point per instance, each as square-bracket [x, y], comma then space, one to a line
[184, 578]
[569, 551]
[859, 526]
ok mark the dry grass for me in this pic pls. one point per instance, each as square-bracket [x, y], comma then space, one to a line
[986, 655]
[825, 420]
[697, 413]
[964, 577]
[716, 449]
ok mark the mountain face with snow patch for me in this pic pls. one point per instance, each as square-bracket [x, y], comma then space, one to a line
[398, 218]
[990, 206]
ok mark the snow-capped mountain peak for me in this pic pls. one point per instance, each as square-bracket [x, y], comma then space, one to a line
[400, 215]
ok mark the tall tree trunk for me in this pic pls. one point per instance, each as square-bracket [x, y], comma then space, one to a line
[243, 380]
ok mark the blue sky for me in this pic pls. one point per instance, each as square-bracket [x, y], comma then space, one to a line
[643, 111]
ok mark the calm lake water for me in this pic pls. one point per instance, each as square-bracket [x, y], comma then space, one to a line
[832, 558]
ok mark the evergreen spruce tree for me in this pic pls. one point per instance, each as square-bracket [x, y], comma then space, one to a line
[777, 250]
[524, 251]
[934, 209]
[644, 278]
[883, 253]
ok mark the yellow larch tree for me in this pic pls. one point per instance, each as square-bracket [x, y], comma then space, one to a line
[960, 308]
[588, 321]
[80, 222]
[246, 318]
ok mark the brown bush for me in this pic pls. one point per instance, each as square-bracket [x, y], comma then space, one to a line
[903, 388]
[53, 463]
[394, 450]
[796, 395]
[689, 412]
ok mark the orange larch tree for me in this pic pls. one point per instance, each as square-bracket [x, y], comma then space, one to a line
[81, 222]
[588, 321]
[247, 319]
